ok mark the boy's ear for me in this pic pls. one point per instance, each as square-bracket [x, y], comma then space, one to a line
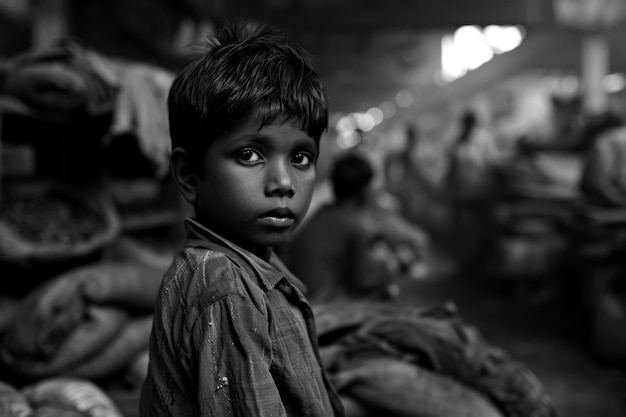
[184, 175]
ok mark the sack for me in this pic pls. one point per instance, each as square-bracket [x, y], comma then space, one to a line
[55, 223]
[74, 394]
[12, 402]
[398, 388]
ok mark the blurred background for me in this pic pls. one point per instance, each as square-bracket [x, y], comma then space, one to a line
[529, 93]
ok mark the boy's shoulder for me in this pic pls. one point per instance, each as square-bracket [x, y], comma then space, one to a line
[205, 275]
[209, 267]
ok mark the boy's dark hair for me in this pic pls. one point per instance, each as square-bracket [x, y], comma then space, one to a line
[351, 175]
[245, 71]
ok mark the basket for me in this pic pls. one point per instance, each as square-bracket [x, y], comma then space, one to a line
[55, 223]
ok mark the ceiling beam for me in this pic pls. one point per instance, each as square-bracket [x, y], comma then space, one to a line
[424, 15]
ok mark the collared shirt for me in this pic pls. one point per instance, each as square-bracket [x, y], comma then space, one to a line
[232, 336]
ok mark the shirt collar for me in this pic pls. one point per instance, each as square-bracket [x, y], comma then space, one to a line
[268, 274]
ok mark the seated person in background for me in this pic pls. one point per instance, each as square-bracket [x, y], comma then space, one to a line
[603, 180]
[351, 248]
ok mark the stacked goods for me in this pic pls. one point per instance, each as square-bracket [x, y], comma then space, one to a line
[393, 387]
[56, 397]
[90, 322]
[63, 80]
[51, 219]
[12, 402]
[544, 176]
[400, 361]
[53, 224]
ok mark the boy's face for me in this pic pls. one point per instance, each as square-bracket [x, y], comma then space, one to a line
[255, 185]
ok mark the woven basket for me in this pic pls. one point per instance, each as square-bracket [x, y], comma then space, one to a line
[17, 246]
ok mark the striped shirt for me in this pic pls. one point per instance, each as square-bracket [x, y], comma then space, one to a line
[233, 336]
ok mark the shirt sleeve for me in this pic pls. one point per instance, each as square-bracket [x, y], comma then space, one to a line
[234, 355]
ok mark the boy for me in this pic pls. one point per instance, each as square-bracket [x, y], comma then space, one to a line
[232, 335]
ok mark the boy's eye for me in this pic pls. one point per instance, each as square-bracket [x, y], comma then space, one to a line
[302, 159]
[248, 156]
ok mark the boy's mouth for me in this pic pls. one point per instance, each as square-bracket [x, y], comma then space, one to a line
[280, 217]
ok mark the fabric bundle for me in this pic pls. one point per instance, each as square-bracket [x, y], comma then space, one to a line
[551, 176]
[140, 111]
[423, 363]
[68, 82]
[56, 397]
[12, 402]
[90, 322]
[66, 79]
[393, 387]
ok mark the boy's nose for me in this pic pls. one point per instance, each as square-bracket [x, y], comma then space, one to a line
[280, 181]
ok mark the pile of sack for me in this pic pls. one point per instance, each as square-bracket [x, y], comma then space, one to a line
[400, 361]
[90, 322]
[56, 397]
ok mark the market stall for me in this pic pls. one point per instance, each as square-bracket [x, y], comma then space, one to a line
[89, 220]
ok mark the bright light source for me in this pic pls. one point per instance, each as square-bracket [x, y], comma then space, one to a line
[377, 114]
[503, 38]
[364, 121]
[404, 98]
[346, 140]
[452, 63]
[346, 123]
[388, 108]
[467, 32]
[614, 83]
[569, 84]
[470, 47]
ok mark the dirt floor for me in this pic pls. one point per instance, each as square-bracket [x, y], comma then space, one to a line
[536, 333]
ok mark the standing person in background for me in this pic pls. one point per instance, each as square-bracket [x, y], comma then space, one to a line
[414, 176]
[351, 248]
[232, 334]
[472, 187]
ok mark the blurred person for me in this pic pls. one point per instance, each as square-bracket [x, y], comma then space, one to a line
[472, 188]
[414, 176]
[603, 179]
[352, 248]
